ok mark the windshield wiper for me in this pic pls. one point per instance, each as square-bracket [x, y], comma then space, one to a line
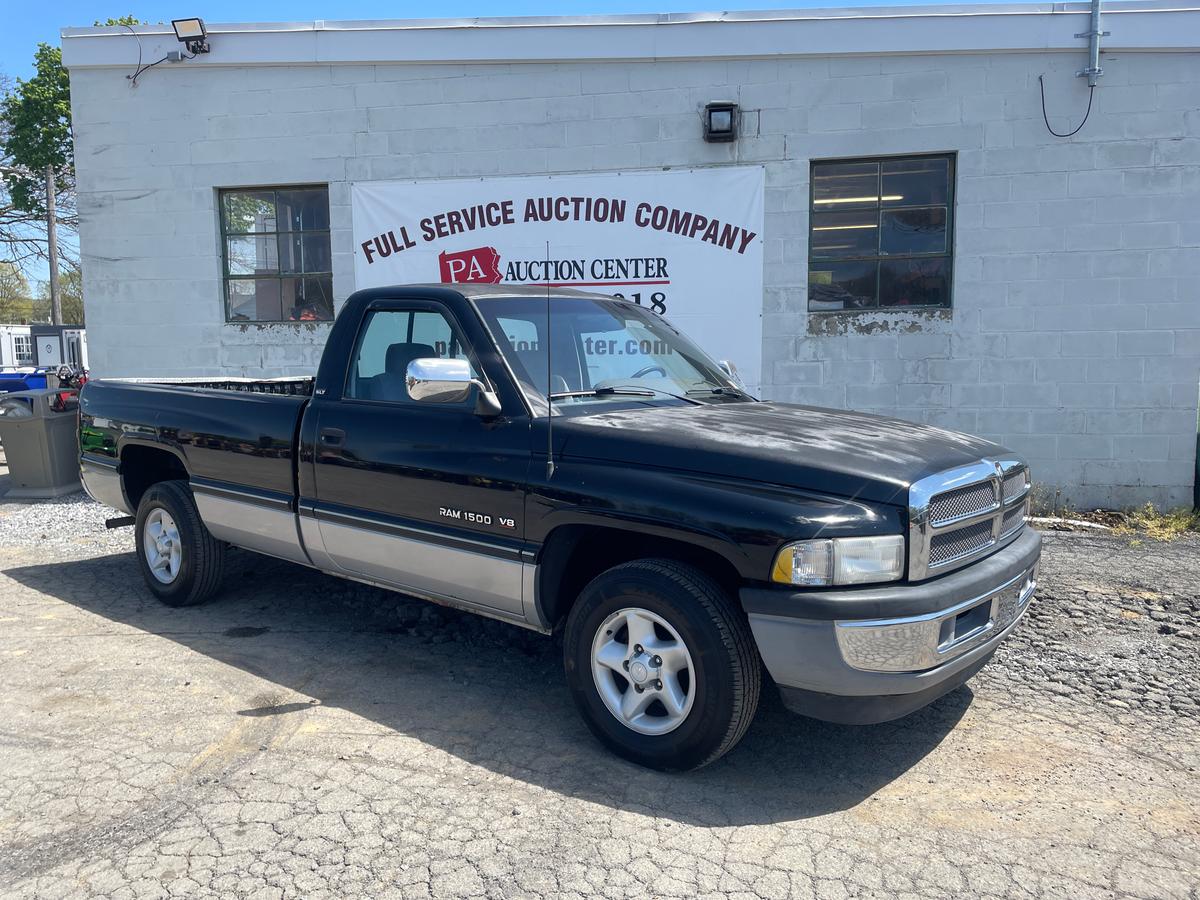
[623, 392]
[721, 392]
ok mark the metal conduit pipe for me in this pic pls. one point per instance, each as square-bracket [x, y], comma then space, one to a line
[1093, 70]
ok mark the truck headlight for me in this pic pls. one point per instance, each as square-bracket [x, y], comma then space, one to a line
[851, 560]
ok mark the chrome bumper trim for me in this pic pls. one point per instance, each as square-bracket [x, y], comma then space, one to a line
[918, 643]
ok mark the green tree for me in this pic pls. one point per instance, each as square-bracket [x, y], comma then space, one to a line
[37, 115]
[22, 233]
[16, 307]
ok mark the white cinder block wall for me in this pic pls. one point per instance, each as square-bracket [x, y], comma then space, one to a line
[1075, 331]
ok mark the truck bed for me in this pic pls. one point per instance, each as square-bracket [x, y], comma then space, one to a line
[239, 433]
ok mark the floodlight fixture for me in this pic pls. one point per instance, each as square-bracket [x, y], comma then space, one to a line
[192, 34]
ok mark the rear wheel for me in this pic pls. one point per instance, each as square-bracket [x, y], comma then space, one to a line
[181, 562]
[661, 664]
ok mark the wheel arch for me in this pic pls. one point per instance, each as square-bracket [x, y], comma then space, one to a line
[574, 554]
[145, 465]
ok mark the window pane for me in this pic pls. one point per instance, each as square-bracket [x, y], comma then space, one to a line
[255, 255]
[840, 234]
[253, 299]
[842, 285]
[248, 212]
[391, 341]
[914, 282]
[913, 182]
[304, 210]
[845, 185]
[383, 330]
[304, 252]
[431, 329]
[308, 299]
[905, 231]
[522, 334]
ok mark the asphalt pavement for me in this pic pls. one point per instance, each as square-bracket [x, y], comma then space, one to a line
[302, 736]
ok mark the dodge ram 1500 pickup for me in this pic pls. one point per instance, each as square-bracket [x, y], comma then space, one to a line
[573, 463]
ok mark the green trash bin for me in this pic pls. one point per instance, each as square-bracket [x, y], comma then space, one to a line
[40, 434]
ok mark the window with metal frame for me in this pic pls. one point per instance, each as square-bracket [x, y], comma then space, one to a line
[276, 252]
[881, 233]
[23, 349]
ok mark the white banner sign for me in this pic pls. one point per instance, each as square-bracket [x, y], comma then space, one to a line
[687, 244]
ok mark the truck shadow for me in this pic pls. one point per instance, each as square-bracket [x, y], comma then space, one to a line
[488, 693]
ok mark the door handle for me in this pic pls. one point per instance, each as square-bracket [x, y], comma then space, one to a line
[332, 437]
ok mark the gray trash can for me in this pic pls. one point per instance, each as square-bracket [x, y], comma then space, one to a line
[41, 443]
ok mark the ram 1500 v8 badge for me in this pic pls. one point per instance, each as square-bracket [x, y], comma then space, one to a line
[608, 480]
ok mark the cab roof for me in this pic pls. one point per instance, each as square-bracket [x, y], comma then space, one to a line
[484, 291]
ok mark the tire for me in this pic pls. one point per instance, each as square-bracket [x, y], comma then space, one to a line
[195, 559]
[717, 676]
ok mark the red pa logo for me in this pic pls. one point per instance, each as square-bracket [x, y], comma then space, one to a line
[478, 266]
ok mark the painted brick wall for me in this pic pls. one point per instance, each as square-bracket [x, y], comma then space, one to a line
[1075, 334]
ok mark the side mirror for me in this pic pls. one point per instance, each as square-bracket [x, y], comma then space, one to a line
[434, 380]
[730, 369]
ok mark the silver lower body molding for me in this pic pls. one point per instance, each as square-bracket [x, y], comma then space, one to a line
[251, 525]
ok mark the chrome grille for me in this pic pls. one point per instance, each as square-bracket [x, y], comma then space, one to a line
[962, 514]
[1015, 485]
[945, 548]
[1014, 519]
[962, 502]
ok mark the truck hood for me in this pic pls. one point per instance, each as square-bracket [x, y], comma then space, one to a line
[826, 451]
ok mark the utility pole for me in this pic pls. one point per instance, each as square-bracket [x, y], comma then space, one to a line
[52, 242]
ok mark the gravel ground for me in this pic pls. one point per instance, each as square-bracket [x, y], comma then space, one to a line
[74, 522]
[303, 736]
[1117, 622]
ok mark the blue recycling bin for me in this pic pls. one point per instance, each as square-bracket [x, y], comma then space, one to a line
[23, 379]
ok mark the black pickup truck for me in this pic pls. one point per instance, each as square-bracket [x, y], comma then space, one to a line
[573, 462]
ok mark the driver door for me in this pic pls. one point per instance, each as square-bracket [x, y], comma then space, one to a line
[425, 496]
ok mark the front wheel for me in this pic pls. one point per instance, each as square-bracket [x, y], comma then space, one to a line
[181, 562]
[661, 664]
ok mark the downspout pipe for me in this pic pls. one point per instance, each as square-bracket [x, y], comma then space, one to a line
[1093, 70]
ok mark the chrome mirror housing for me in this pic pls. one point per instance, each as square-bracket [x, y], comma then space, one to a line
[435, 380]
[731, 369]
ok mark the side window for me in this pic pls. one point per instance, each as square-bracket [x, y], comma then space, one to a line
[391, 340]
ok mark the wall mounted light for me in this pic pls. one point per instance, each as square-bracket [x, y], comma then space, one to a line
[720, 122]
[192, 34]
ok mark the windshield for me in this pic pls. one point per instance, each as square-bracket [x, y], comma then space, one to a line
[602, 351]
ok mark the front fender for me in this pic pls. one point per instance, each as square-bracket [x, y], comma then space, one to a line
[744, 522]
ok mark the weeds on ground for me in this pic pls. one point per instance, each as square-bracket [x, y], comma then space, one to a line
[1045, 500]
[1139, 522]
[1159, 525]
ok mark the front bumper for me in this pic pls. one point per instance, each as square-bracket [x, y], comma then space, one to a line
[871, 655]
